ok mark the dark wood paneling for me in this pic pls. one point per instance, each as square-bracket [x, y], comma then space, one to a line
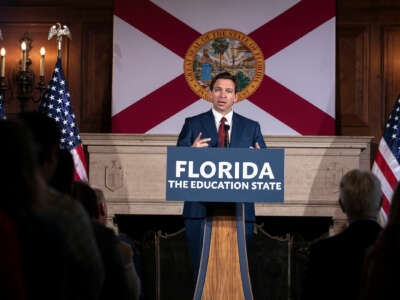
[87, 59]
[391, 76]
[368, 80]
[60, 3]
[352, 78]
[96, 71]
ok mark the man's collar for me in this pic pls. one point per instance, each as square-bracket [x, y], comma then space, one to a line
[218, 116]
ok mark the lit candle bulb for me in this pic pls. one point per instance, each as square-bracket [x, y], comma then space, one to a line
[42, 52]
[23, 47]
[2, 62]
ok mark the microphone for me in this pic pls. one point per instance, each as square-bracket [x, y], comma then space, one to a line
[226, 129]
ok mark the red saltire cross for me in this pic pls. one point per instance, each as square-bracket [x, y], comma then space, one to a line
[271, 37]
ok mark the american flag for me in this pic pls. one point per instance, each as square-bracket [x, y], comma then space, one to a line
[387, 161]
[56, 103]
[2, 111]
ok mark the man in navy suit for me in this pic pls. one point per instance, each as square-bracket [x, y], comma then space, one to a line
[202, 131]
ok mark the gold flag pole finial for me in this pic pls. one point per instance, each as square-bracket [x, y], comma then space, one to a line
[59, 31]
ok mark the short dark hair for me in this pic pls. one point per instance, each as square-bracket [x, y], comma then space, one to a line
[18, 168]
[224, 75]
[46, 132]
[64, 172]
[82, 192]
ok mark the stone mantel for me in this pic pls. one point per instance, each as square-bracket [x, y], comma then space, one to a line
[130, 169]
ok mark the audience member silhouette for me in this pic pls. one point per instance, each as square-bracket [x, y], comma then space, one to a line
[64, 173]
[38, 242]
[85, 261]
[127, 248]
[12, 282]
[17, 196]
[116, 283]
[382, 261]
[335, 264]
[19, 168]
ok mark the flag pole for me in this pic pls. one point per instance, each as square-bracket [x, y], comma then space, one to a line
[56, 103]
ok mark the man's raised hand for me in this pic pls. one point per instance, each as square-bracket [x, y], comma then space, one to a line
[200, 143]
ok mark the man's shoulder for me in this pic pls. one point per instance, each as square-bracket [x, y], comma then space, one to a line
[67, 212]
[103, 229]
[244, 119]
[103, 233]
[326, 244]
[62, 203]
[356, 235]
[199, 117]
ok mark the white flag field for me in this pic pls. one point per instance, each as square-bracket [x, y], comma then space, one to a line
[295, 94]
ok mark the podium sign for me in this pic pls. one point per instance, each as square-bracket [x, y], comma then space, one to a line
[225, 174]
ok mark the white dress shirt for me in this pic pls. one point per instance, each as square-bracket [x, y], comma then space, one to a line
[218, 116]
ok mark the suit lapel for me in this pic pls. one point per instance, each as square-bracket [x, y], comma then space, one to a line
[236, 131]
[209, 124]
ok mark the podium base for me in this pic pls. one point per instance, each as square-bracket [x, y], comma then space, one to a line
[223, 272]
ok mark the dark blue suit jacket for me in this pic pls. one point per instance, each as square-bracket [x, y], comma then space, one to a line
[335, 264]
[245, 133]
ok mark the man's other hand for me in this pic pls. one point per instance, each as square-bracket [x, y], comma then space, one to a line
[257, 146]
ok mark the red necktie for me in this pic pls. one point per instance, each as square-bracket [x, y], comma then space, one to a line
[222, 133]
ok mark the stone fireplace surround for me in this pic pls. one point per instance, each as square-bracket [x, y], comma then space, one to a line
[130, 169]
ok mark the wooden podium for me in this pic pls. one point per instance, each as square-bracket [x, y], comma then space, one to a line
[226, 177]
[224, 272]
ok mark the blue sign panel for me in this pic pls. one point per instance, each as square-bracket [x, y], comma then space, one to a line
[225, 174]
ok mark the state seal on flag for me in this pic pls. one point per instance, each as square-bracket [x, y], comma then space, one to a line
[224, 50]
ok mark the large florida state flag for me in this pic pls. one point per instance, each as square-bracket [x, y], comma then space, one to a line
[167, 51]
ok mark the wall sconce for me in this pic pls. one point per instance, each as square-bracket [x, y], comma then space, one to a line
[25, 77]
